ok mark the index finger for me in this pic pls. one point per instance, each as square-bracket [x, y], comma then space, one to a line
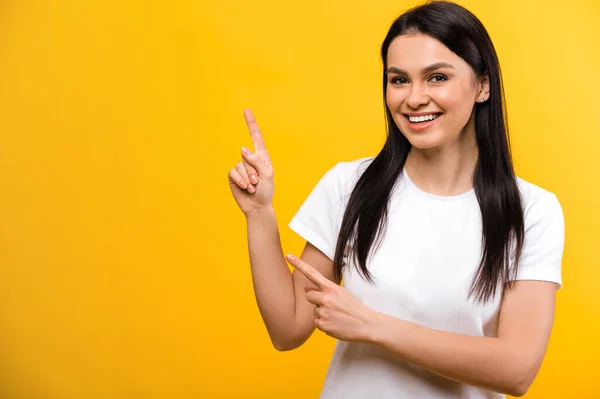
[257, 138]
[310, 272]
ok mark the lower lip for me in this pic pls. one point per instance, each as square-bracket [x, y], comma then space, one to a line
[418, 127]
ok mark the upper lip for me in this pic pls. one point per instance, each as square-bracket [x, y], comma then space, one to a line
[420, 113]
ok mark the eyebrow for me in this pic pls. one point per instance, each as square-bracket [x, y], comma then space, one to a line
[428, 69]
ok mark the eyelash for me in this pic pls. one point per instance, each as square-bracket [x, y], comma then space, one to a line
[437, 75]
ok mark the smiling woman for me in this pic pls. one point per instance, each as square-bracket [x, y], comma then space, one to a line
[450, 263]
[420, 96]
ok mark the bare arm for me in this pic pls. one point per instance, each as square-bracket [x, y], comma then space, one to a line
[280, 295]
[507, 364]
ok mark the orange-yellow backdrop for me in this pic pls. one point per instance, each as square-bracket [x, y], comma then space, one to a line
[123, 267]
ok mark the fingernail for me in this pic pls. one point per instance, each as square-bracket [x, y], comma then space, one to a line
[254, 179]
[245, 150]
[251, 188]
[290, 257]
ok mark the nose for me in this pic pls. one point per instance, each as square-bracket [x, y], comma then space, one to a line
[417, 96]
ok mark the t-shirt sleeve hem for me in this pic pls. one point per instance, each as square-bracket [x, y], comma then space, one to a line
[312, 237]
[537, 277]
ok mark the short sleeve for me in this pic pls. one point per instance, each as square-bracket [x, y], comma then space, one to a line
[319, 218]
[543, 245]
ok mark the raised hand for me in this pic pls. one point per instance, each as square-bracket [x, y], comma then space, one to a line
[251, 180]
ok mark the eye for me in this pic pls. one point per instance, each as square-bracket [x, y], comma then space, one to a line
[438, 78]
[398, 80]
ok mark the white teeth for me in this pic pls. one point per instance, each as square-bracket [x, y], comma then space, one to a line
[423, 118]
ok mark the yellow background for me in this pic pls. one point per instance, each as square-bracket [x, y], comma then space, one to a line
[123, 266]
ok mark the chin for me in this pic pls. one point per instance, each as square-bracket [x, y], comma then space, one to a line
[424, 141]
[421, 145]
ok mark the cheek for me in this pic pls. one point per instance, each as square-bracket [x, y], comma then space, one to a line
[393, 98]
[456, 100]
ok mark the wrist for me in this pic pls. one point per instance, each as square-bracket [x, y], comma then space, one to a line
[260, 213]
[376, 323]
[385, 329]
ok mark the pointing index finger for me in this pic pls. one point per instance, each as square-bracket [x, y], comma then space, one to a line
[257, 138]
[310, 272]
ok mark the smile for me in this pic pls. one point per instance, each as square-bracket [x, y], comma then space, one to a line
[422, 118]
[419, 123]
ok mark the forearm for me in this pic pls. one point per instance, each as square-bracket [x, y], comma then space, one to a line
[272, 279]
[490, 363]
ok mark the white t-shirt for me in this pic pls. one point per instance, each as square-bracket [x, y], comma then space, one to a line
[422, 272]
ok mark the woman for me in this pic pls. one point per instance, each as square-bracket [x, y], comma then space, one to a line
[450, 263]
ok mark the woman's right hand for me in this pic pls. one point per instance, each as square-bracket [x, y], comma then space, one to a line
[251, 180]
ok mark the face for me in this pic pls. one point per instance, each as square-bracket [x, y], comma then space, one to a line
[431, 92]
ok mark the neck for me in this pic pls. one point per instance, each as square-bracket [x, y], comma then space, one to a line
[446, 170]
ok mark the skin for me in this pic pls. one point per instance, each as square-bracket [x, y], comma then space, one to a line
[442, 162]
[444, 156]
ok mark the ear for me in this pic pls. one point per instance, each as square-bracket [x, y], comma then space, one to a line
[484, 89]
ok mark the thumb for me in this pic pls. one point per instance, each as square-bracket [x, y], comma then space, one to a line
[263, 167]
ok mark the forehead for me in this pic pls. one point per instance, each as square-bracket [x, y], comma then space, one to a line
[417, 51]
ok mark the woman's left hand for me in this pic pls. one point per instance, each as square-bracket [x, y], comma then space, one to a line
[338, 313]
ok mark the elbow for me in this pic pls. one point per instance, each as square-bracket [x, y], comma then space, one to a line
[286, 345]
[283, 346]
[517, 390]
[521, 386]
[520, 383]
[520, 371]
[287, 339]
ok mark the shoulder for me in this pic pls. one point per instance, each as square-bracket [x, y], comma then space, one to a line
[350, 169]
[544, 239]
[538, 203]
[344, 175]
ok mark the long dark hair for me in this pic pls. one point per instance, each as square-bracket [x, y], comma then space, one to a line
[494, 180]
